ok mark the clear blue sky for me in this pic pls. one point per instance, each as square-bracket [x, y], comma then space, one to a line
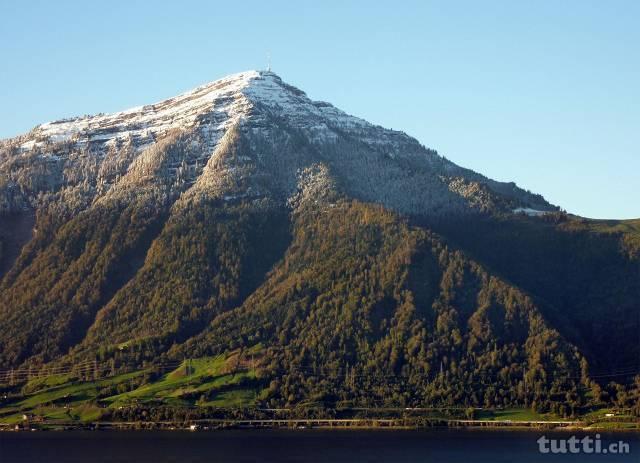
[546, 93]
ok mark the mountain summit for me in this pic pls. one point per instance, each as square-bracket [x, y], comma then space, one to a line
[356, 265]
[287, 133]
[211, 108]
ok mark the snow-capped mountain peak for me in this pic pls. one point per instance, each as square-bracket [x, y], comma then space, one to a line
[187, 142]
[214, 107]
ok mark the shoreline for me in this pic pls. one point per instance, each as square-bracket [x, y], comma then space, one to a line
[205, 425]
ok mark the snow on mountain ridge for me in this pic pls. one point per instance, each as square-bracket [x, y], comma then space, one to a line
[222, 99]
[273, 131]
[214, 107]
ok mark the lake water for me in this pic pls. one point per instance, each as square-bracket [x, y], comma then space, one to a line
[437, 446]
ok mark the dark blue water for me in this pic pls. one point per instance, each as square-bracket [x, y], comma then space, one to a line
[437, 446]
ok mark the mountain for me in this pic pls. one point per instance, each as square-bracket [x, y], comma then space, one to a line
[93, 157]
[354, 263]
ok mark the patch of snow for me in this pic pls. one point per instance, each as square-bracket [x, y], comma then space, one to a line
[530, 212]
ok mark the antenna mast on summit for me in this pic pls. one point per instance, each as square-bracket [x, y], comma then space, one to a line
[268, 61]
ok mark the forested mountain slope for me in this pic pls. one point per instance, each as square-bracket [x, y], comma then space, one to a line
[362, 266]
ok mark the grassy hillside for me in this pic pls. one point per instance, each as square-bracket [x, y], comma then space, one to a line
[220, 381]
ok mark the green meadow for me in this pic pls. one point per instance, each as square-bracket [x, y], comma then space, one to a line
[208, 381]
